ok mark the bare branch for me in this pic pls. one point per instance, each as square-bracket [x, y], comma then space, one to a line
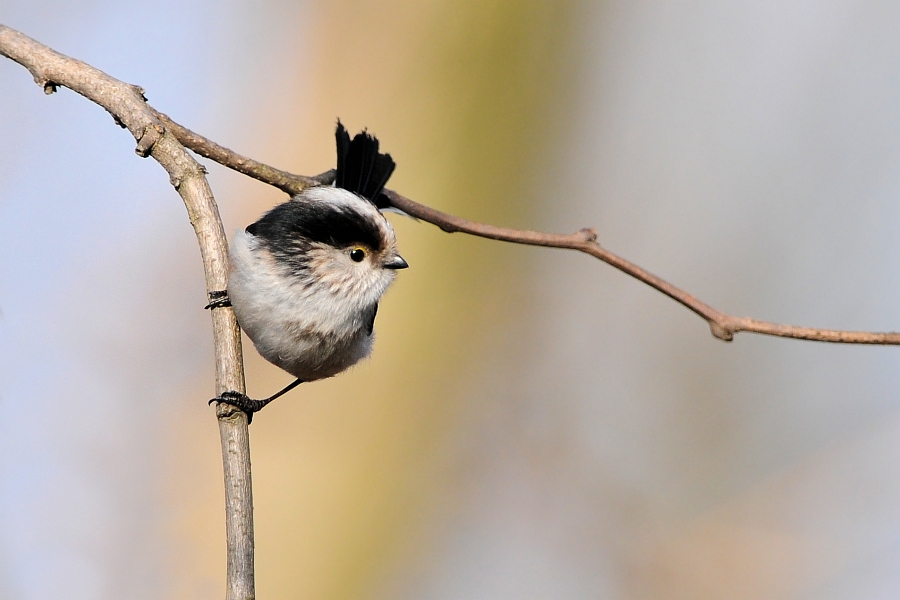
[129, 109]
[721, 325]
[284, 181]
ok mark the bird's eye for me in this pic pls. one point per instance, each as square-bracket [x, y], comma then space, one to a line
[357, 254]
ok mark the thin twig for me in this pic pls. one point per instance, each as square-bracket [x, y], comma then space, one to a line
[284, 181]
[128, 107]
[722, 325]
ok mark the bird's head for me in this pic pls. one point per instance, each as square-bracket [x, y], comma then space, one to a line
[328, 239]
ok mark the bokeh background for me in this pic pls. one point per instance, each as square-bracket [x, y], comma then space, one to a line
[533, 424]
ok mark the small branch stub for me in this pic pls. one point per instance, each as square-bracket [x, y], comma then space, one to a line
[588, 235]
[148, 138]
[721, 332]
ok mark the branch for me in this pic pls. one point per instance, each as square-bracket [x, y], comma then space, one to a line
[129, 108]
[721, 325]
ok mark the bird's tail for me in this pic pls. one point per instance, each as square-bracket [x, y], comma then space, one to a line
[360, 167]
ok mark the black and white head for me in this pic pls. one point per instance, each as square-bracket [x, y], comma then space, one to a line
[329, 239]
[335, 238]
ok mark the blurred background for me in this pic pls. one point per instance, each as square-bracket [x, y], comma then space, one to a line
[532, 424]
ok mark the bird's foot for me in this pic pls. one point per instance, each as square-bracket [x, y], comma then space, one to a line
[243, 402]
[249, 405]
[218, 299]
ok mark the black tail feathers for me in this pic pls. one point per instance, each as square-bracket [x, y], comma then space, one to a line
[360, 167]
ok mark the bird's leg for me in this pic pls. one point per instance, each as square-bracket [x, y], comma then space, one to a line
[218, 299]
[249, 405]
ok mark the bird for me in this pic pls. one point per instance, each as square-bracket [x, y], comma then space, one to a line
[306, 278]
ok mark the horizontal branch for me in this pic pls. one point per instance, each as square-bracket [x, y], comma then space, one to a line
[723, 326]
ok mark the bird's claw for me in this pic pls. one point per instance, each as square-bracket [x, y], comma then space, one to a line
[218, 299]
[242, 402]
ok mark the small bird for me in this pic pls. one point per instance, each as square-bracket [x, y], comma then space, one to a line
[306, 277]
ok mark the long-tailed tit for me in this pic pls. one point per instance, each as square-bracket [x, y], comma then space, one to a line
[306, 278]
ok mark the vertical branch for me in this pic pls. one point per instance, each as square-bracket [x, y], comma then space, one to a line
[233, 426]
[129, 108]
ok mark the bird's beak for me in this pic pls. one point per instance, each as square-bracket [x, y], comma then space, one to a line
[396, 262]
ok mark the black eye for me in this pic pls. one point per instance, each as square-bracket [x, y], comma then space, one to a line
[357, 254]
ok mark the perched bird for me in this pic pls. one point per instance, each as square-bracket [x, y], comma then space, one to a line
[306, 278]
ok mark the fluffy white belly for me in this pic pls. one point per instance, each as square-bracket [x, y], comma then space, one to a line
[308, 331]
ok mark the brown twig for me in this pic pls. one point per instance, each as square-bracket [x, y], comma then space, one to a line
[722, 325]
[284, 181]
[129, 109]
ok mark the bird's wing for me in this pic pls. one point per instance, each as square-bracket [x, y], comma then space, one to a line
[372, 320]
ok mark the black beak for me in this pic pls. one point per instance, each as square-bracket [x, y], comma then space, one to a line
[396, 262]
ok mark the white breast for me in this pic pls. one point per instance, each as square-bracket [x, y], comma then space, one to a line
[309, 331]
